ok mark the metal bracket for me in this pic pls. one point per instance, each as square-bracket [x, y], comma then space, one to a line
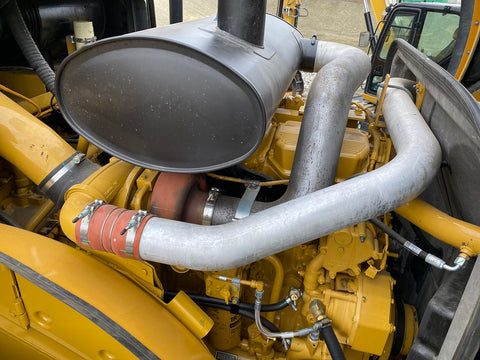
[420, 90]
[382, 97]
[246, 202]
[73, 40]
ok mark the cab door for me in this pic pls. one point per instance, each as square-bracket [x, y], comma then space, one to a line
[430, 28]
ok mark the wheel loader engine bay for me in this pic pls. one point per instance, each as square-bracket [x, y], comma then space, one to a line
[170, 193]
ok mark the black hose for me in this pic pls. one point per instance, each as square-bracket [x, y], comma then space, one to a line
[7, 219]
[331, 340]
[203, 300]
[270, 326]
[266, 308]
[399, 238]
[26, 43]
[244, 306]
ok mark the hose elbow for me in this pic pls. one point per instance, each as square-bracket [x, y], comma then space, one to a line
[316, 54]
[102, 184]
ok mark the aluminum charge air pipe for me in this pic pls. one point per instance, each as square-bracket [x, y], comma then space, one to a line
[296, 221]
[311, 216]
[340, 69]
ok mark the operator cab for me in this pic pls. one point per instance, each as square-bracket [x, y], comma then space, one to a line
[431, 27]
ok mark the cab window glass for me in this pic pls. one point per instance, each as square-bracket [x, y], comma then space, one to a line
[401, 28]
[439, 35]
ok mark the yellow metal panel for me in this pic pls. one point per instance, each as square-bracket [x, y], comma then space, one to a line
[369, 98]
[378, 7]
[99, 293]
[23, 81]
[374, 316]
[66, 328]
[44, 101]
[8, 296]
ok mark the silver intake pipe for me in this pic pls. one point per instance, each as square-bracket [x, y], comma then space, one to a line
[314, 215]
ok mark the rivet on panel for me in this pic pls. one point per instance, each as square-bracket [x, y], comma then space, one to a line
[43, 319]
[106, 355]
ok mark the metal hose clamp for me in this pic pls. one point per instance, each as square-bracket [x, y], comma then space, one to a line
[86, 216]
[65, 169]
[210, 206]
[131, 230]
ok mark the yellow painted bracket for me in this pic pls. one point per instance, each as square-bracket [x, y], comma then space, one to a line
[420, 90]
[382, 98]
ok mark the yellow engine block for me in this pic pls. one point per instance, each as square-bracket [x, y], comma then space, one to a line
[344, 271]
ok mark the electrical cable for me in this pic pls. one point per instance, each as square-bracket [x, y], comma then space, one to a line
[14, 93]
[242, 181]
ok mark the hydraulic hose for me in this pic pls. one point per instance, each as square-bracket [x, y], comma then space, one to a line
[331, 340]
[275, 334]
[216, 303]
[248, 314]
[27, 45]
[243, 306]
[414, 249]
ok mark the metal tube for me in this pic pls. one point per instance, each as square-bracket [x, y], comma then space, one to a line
[340, 71]
[444, 227]
[176, 11]
[28, 143]
[311, 216]
[243, 19]
[277, 282]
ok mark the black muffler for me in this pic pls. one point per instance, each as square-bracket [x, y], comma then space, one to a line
[188, 97]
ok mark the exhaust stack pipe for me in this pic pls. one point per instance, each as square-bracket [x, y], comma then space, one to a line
[243, 19]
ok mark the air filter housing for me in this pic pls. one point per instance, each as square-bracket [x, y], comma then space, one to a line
[187, 97]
